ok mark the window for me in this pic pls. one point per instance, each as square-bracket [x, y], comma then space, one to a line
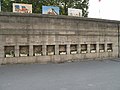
[50, 49]
[9, 51]
[37, 50]
[109, 47]
[92, 48]
[101, 47]
[83, 48]
[73, 49]
[62, 49]
[24, 50]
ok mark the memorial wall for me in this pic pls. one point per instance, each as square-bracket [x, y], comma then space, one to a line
[35, 38]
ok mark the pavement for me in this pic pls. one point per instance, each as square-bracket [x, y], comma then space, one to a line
[87, 75]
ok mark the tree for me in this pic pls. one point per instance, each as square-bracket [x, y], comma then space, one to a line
[82, 4]
[5, 5]
[64, 5]
[37, 5]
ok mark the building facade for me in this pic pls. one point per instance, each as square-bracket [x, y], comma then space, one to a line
[32, 38]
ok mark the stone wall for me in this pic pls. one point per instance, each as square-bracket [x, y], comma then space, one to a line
[61, 38]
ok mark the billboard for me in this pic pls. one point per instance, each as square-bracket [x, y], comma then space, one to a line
[51, 10]
[74, 12]
[22, 8]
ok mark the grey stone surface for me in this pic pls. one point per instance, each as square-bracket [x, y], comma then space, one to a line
[35, 29]
[90, 75]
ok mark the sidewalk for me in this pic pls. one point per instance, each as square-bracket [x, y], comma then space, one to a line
[90, 75]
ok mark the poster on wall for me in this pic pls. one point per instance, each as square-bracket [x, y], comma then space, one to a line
[74, 12]
[22, 8]
[51, 10]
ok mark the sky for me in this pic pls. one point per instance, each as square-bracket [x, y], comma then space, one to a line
[105, 9]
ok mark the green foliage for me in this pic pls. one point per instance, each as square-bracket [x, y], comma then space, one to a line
[37, 5]
[82, 4]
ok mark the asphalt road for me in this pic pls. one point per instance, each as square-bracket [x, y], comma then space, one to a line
[90, 75]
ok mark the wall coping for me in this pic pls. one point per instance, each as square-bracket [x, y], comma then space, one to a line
[11, 14]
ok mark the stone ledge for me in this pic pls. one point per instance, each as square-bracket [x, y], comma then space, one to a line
[57, 17]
